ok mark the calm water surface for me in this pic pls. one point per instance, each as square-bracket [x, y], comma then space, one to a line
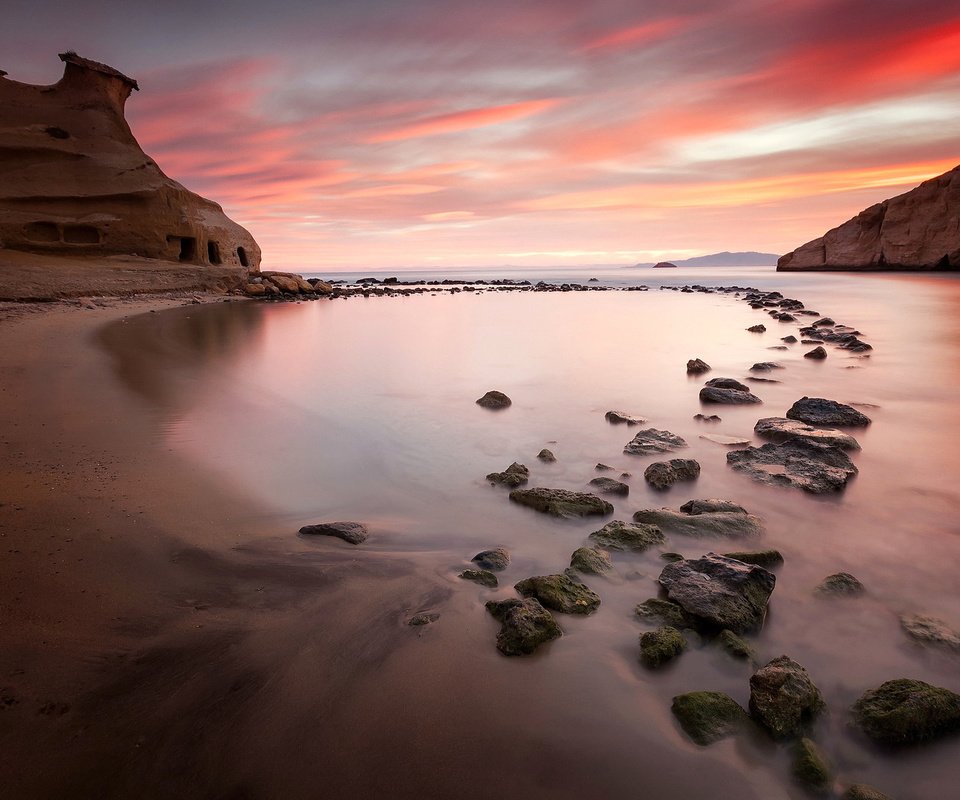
[364, 409]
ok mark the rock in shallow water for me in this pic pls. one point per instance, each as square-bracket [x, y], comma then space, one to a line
[664, 612]
[697, 366]
[734, 645]
[707, 717]
[841, 584]
[779, 429]
[815, 468]
[810, 767]
[352, 532]
[418, 620]
[620, 418]
[695, 507]
[652, 441]
[729, 441]
[619, 535]
[860, 791]
[820, 411]
[494, 399]
[663, 474]
[818, 353]
[709, 394]
[496, 559]
[560, 593]
[720, 592]
[905, 711]
[513, 476]
[763, 558]
[481, 576]
[660, 646]
[930, 630]
[590, 559]
[525, 625]
[783, 698]
[561, 502]
[546, 456]
[727, 383]
[610, 486]
[708, 524]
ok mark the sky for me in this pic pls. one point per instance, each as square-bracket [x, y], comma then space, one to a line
[391, 133]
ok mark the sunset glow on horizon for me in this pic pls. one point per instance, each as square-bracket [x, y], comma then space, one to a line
[381, 133]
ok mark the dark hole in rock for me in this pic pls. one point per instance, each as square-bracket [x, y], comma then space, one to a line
[81, 234]
[57, 133]
[242, 255]
[41, 232]
[213, 252]
[188, 248]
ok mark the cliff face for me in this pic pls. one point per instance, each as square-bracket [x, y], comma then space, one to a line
[74, 181]
[918, 230]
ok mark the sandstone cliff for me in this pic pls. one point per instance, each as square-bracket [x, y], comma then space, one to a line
[918, 230]
[75, 182]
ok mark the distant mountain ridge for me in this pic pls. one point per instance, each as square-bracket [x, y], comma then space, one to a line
[725, 259]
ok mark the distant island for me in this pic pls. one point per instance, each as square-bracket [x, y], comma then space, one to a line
[724, 259]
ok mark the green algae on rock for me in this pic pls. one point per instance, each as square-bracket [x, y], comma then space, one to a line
[591, 559]
[620, 535]
[810, 767]
[707, 717]
[783, 698]
[524, 625]
[905, 711]
[560, 593]
[561, 502]
[482, 576]
[661, 645]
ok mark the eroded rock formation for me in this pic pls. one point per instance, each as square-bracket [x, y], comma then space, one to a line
[918, 230]
[74, 181]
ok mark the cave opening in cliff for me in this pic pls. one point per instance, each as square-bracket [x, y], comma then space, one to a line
[242, 255]
[213, 252]
[188, 248]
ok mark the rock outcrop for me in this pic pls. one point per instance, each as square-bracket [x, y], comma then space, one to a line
[76, 183]
[918, 230]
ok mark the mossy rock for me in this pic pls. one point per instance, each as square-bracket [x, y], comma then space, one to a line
[561, 502]
[620, 535]
[707, 717]
[906, 711]
[840, 584]
[660, 646]
[482, 576]
[591, 559]
[513, 476]
[496, 559]
[560, 593]
[810, 767]
[525, 625]
[665, 612]
[860, 791]
[735, 645]
[783, 698]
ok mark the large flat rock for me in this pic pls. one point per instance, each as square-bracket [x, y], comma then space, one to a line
[815, 468]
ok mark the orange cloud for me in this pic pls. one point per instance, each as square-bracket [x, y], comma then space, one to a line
[638, 34]
[464, 120]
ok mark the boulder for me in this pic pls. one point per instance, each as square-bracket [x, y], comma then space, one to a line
[789, 339]
[695, 507]
[917, 230]
[818, 353]
[768, 559]
[709, 394]
[513, 476]
[697, 366]
[620, 418]
[560, 593]
[779, 429]
[546, 456]
[815, 468]
[905, 711]
[727, 383]
[524, 625]
[819, 411]
[664, 612]
[494, 399]
[496, 559]
[619, 535]
[840, 584]
[708, 524]
[810, 767]
[663, 474]
[352, 532]
[481, 576]
[660, 646]
[757, 328]
[652, 441]
[561, 502]
[591, 560]
[610, 486]
[719, 592]
[707, 717]
[930, 630]
[783, 698]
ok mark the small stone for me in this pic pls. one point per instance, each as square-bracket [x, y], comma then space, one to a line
[494, 399]
[757, 328]
[546, 456]
[707, 418]
[783, 698]
[840, 584]
[817, 353]
[620, 418]
[663, 474]
[820, 411]
[904, 711]
[652, 441]
[765, 366]
[734, 645]
[810, 767]
[789, 339]
[697, 366]
[422, 619]
[603, 468]
[525, 625]
[610, 486]
[697, 507]
[659, 646]
[619, 535]
[727, 441]
[664, 612]
[590, 559]
[560, 593]
[707, 717]
[930, 630]
[709, 394]
[514, 475]
[496, 559]
[727, 383]
[482, 576]
[352, 532]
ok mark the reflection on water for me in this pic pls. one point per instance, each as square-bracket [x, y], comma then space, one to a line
[364, 409]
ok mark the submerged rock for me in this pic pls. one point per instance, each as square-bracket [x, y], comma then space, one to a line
[905, 711]
[620, 418]
[610, 486]
[779, 429]
[525, 625]
[590, 559]
[619, 535]
[494, 399]
[418, 620]
[707, 524]
[482, 576]
[707, 717]
[546, 456]
[560, 593]
[514, 475]
[765, 366]
[709, 394]
[727, 383]
[697, 366]
[819, 411]
[663, 474]
[720, 592]
[763, 558]
[561, 502]
[783, 698]
[757, 328]
[789, 339]
[652, 441]
[664, 612]
[707, 418]
[734, 645]
[496, 559]
[660, 646]
[860, 791]
[810, 767]
[818, 353]
[729, 441]
[930, 630]
[815, 468]
[695, 507]
[352, 532]
[841, 584]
